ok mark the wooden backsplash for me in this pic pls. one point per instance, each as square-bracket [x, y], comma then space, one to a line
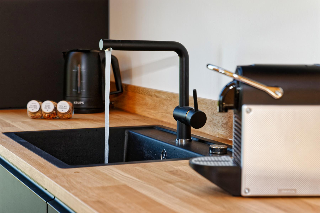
[160, 105]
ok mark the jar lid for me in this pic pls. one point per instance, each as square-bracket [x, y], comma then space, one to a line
[63, 107]
[47, 106]
[33, 106]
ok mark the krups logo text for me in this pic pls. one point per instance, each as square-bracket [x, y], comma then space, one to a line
[78, 102]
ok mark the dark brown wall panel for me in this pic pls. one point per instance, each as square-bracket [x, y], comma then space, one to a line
[33, 35]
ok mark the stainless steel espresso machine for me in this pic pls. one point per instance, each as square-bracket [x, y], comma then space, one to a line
[276, 132]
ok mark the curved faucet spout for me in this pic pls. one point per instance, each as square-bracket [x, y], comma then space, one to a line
[183, 130]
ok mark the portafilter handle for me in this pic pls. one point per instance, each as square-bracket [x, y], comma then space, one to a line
[275, 92]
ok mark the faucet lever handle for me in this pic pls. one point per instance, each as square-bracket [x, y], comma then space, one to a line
[195, 100]
[190, 116]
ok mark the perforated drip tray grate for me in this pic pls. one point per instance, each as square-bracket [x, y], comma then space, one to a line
[213, 161]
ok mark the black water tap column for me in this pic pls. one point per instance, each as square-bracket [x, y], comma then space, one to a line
[183, 130]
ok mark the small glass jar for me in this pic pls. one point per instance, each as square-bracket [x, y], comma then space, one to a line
[65, 110]
[34, 109]
[49, 109]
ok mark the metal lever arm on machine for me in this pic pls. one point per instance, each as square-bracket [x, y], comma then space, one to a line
[275, 92]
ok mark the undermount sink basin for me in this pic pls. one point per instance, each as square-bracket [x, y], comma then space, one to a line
[86, 147]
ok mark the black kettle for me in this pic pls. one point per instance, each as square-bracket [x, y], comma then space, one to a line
[84, 79]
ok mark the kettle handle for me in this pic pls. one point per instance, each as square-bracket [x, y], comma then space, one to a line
[116, 73]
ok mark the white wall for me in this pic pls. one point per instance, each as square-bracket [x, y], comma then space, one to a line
[222, 32]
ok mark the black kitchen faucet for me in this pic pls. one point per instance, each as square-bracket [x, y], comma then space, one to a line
[185, 115]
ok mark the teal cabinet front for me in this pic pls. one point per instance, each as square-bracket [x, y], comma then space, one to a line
[17, 195]
[20, 194]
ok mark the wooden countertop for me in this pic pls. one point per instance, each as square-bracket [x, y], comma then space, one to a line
[147, 187]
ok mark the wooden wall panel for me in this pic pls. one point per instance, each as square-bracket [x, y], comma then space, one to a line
[159, 105]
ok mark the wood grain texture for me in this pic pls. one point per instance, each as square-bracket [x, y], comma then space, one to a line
[160, 105]
[170, 186]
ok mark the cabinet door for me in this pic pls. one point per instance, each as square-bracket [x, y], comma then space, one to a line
[20, 194]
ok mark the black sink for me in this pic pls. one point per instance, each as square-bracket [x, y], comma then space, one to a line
[86, 147]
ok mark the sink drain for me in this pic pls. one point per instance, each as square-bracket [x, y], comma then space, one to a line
[163, 154]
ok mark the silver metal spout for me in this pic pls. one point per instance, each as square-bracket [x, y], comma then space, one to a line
[275, 92]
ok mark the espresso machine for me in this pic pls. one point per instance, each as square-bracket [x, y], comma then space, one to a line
[276, 139]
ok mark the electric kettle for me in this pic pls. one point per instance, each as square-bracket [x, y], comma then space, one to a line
[84, 79]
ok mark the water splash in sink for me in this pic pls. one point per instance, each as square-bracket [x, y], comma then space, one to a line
[107, 101]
